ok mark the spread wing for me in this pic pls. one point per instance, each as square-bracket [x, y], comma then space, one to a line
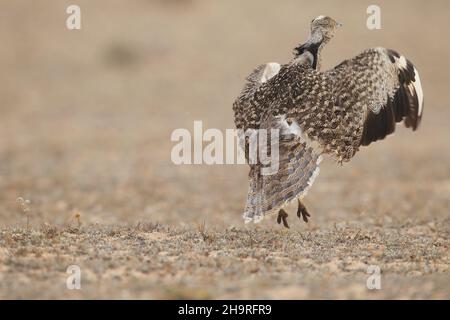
[246, 109]
[383, 87]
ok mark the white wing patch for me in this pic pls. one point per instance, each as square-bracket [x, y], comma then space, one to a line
[418, 87]
[271, 70]
[401, 62]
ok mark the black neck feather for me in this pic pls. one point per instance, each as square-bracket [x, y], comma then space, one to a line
[312, 47]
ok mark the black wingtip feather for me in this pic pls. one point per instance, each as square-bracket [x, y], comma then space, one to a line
[403, 107]
[409, 98]
[378, 125]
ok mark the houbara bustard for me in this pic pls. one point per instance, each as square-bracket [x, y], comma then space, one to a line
[317, 112]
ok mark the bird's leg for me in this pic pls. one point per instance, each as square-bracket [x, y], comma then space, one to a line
[282, 216]
[302, 212]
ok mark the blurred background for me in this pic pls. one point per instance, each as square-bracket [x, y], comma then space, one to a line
[86, 115]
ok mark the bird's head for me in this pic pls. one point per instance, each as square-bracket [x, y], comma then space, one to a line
[324, 26]
[322, 30]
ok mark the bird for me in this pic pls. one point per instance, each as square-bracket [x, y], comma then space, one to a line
[319, 113]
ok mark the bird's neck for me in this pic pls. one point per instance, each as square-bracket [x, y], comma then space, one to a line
[313, 45]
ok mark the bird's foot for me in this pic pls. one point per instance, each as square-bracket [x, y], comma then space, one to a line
[282, 217]
[302, 212]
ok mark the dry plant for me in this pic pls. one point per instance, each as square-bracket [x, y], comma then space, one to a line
[50, 231]
[24, 207]
[201, 227]
[75, 216]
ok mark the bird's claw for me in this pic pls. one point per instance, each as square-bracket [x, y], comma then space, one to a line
[282, 217]
[302, 212]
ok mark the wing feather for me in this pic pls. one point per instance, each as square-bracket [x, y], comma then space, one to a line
[386, 86]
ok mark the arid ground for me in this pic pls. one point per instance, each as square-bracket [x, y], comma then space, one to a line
[85, 126]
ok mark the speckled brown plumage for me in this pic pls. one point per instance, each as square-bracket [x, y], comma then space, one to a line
[333, 112]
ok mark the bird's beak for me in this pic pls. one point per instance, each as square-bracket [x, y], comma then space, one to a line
[338, 24]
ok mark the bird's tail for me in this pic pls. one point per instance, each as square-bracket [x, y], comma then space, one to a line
[298, 168]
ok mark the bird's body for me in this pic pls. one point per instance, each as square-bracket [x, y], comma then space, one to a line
[334, 112]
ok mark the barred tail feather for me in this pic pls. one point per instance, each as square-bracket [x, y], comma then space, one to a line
[298, 168]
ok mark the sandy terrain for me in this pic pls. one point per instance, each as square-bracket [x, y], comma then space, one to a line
[86, 119]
